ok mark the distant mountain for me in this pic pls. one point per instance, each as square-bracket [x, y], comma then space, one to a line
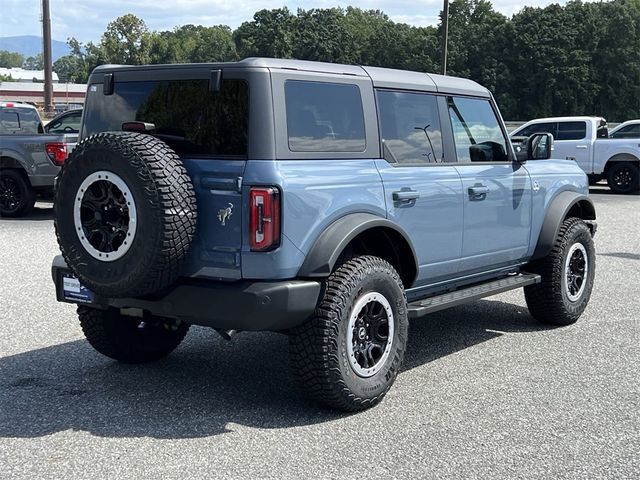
[31, 45]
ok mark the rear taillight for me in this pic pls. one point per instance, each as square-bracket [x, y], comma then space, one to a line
[57, 152]
[264, 218]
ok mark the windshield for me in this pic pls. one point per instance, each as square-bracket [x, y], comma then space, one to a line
[186, 114]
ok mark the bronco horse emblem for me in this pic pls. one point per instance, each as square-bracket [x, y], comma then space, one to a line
[225, 213]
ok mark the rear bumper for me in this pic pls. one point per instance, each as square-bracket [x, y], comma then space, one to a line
[244, 305]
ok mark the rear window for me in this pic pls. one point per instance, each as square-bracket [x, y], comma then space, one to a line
[571, 130]
[324, 117]
[192, 119]
[17, 120]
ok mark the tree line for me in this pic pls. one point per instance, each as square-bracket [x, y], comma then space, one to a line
[580, 58]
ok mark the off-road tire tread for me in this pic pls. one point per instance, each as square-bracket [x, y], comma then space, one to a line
[314, 351]
[173, 205]
[545, 299]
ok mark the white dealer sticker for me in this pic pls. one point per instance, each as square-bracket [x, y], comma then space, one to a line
[71, 285]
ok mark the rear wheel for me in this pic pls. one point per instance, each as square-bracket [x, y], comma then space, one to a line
[348, 355]
[623, 177]
[16, 195]
[567, 275]
[130, 339]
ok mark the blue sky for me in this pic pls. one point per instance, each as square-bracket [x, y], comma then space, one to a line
[87, 19]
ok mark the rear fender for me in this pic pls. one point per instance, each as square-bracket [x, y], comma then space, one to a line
[325, 252]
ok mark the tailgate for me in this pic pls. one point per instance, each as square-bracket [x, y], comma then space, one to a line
[215, 251]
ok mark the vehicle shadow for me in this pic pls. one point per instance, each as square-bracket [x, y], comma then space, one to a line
[599, 189]
[42, 211]
[207, 385]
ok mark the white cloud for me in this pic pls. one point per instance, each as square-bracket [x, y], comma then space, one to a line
[87, 20]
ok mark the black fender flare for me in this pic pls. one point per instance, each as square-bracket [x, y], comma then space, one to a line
[557, 212]
[326, 250]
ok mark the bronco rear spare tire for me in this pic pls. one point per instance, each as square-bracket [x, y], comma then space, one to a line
[125, 213]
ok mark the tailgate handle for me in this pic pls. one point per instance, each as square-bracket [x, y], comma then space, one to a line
[217, 183]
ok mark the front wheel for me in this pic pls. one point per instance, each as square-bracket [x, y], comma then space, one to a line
[348, 355]
[130, 339]
[567, 272]
[623, 177]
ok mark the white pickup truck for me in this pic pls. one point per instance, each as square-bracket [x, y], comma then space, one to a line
[586, 140]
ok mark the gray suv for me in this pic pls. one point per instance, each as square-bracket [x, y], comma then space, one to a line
[332, 203]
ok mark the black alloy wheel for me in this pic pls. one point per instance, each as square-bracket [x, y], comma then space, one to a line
[16, 195]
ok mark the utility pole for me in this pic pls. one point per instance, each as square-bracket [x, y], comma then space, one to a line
[46, 57]
[445, 36]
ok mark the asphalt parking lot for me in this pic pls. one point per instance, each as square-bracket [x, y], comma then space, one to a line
[486, 392]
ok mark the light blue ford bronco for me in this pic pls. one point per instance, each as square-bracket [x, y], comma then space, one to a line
[332, 203]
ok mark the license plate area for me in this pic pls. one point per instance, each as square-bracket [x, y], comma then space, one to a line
[70, 290]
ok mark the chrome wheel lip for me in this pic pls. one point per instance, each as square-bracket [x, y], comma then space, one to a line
[359, 305]
[105, 175]
[571, 276]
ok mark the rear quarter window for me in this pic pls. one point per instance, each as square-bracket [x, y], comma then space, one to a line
[186, 114]
[324, 117]
[571, 130]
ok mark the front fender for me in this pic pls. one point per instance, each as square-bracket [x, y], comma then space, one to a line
[556, 213]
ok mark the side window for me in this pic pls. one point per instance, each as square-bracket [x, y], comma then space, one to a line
[410, 126]
[538, 128]
[68, 124]
[571, 130]
[476, 131]
[324, 117]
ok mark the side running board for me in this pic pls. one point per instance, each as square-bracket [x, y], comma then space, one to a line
[467, 294]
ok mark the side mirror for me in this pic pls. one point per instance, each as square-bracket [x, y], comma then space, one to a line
[536, 147]
[539, 146]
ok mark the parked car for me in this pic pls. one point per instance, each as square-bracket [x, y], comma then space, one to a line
[68, 123]
[586, 140]
[329, 202]
[29, 158]
[628, 129]
[64, 107]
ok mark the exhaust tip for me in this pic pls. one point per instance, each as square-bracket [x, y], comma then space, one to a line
[226, 334]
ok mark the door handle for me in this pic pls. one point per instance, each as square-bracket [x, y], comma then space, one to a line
[478, 192]
[405, 196]
[581, 147]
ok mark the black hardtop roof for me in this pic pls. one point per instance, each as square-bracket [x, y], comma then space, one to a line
[381, 77]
